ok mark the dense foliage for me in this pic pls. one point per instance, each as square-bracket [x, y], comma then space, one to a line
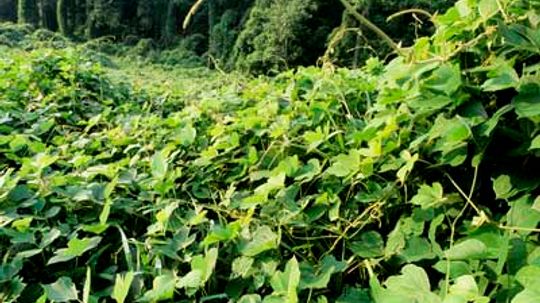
[412, 181]
[259, 36]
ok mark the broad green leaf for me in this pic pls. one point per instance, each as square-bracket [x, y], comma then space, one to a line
[536, 204]
[417, 249]
[345, 164]
[28, 253]
[527, 296]
[187, 135]
[529, 277]
[289, 166]
[446, 79]
[193, 279]
[263, 239]
[222, 233]
[241, 266]
[488, 8]
[121, 286]
[429, 196]
[318, 277]
[535, 144]
[503, 188]
[22, 225]
[273, 183]
[314, 139]
[42, 161]
[503, 76]
[465, 287]
[410, 160]
[522, 214]
[49, 237]
[76, 248]
[309, 171]
[371, 245]
[454, 268]
[354, 295]
[411, 286]
[202, 267]
[162, 288]
[63, 290]
[250, 299]
[470, 249]
[285, 284]
[527, 102]
[159, 165]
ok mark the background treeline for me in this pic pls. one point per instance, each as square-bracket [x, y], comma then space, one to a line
[253, 35]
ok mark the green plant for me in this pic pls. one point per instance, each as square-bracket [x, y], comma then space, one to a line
[412, 181]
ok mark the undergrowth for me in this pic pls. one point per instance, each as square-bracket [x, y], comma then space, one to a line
[411, 181]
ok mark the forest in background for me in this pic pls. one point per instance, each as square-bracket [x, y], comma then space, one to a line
[127, 175]
[251, 35]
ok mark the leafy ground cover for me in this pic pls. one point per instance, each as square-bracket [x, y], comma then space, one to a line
[412, 181]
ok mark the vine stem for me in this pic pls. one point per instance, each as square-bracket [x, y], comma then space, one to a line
[191, 13]
[363, 20]
[411, 11]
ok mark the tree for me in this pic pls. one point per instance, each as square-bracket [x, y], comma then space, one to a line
[27, 12]
[8, 10]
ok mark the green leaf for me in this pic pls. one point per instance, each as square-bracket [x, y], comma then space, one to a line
[344, 165]
[529, 277]
[470, 249]
[49, 237]
[314, 139]
[429, 196]
[410, 160]
[503, 188]
[274, 183]
[536, 204]
[487, 8]
[250, 299]
[241, 267]
[417, 249]
[527, 296]
[454, 268]
[63, 290]
[527, 102]
[535, 144]
[371, 245]
[159, 165]
[76, 248]
[410, 287]
[122, 286]
[446, 79]
[285, 283]
[263, 239]
[319, 276]
[522, 214]
[162, 288]
[465, 287]
[187, 135]
[503, 76]
[201, 270]
[309, 171]
[354, 295]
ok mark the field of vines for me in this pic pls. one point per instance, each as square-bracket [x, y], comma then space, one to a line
[411, 180]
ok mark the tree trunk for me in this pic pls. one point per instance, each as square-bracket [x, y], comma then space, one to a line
[27, 12]
[61, 17]
[170, 23]
[47, 14]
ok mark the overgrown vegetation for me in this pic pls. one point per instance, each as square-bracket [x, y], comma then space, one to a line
[408, 181]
